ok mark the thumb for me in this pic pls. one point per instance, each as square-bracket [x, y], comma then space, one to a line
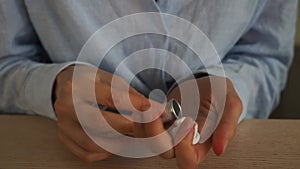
[185, 151]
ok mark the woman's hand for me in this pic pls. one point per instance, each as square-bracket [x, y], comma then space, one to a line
[189, 156]
[71, 132]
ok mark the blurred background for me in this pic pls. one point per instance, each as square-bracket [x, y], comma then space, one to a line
[289, 107]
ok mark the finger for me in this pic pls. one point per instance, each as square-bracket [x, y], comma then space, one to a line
[187, 154]
[138, 129]
[163, 142]
[64, 109]
[101, 121]
[122, 85]
[114, 82]
[185, 150]
[110, 95]
[121, 100]
[70, 111]
[122, 123]
[228, 124]
[81, 153]
[75, 132]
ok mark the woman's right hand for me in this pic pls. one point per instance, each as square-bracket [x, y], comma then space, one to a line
[70, 130]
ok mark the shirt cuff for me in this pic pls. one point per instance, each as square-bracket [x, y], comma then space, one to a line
[39, 86]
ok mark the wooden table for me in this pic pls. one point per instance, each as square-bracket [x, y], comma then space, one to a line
[31, 142]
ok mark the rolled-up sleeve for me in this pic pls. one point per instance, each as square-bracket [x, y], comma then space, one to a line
[258, 64]
[26, 75]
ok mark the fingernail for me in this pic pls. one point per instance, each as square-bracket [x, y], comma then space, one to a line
[196, 137]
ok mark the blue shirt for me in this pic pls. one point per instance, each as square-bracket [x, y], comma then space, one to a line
[39, 38]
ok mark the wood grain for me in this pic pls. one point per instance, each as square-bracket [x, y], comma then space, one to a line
[31, 142]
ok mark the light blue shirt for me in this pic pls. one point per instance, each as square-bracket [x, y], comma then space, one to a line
[39, 38]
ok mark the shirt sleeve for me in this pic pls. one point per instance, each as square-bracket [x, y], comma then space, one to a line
[258, 64]
[26, 74]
